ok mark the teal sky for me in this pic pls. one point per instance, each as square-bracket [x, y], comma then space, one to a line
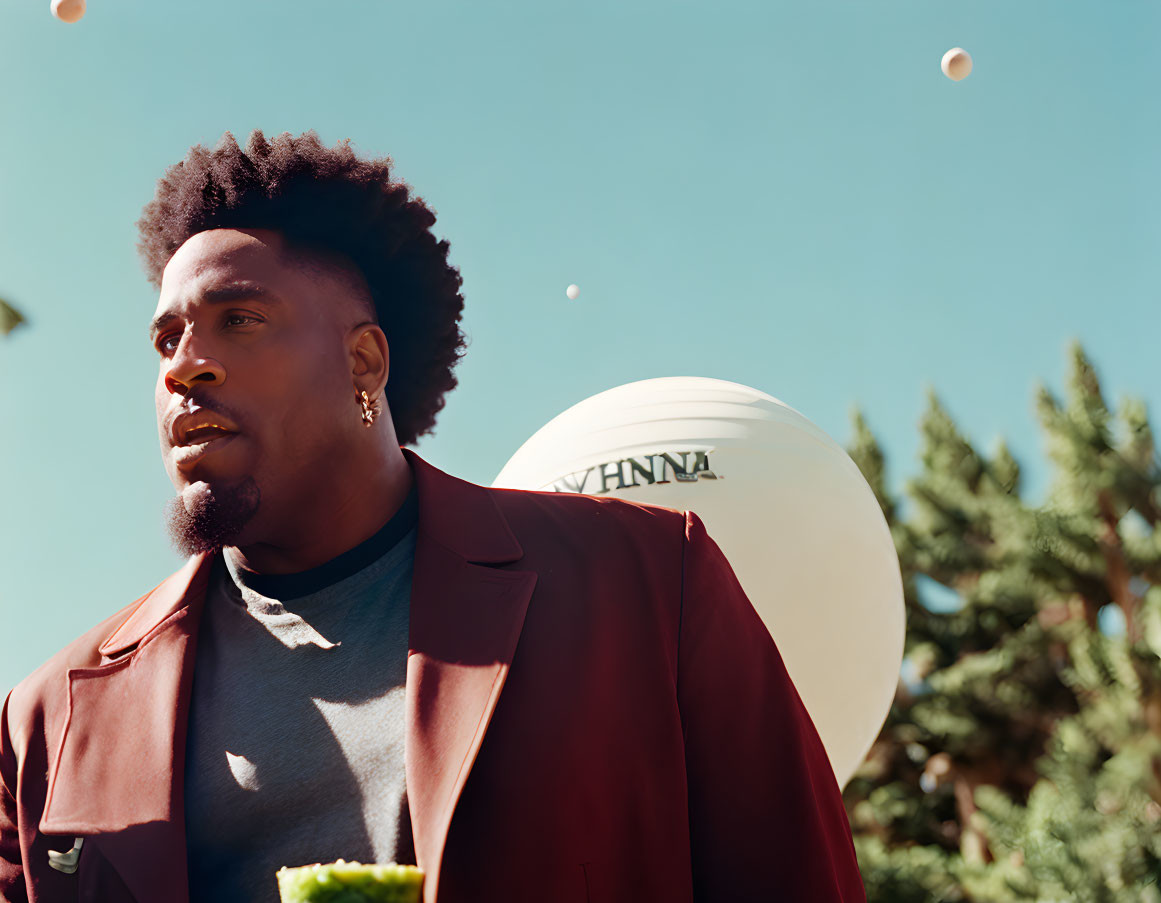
[790, 196]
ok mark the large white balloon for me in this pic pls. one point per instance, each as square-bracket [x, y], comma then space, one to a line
[788, 507]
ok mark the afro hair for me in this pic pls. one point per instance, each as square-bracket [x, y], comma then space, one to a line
[331, 202]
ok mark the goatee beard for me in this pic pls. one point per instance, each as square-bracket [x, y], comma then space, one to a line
[214, 519]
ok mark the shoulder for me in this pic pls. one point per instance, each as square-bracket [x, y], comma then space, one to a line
[46, 688]
[629, 543]
[568, 512]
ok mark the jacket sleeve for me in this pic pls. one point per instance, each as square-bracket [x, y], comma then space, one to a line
[766, 815]
[12, 888]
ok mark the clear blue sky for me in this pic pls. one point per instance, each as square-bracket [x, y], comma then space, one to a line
[790, 196]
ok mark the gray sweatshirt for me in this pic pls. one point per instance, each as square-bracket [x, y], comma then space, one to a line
[295, 748]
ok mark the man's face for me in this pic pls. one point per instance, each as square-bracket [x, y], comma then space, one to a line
[255, 398]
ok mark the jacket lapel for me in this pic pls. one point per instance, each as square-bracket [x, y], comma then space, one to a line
[465, 621]
[117, 778]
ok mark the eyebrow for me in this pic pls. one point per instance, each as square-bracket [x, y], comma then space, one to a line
[225, 294]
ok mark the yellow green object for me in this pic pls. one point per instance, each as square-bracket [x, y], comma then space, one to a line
[350, 882]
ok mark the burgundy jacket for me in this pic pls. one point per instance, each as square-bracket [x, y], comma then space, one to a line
[594, 712]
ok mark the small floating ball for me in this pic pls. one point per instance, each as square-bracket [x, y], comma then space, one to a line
[957, 64]
[68, 10]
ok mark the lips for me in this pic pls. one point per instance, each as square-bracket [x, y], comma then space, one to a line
[198, 427]
[186, 456]
[199, 432]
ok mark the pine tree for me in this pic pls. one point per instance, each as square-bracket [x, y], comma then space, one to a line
[1021, 759]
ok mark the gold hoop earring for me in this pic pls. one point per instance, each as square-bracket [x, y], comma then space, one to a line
[368, 410]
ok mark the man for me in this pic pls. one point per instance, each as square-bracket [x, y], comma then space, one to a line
[534, 697]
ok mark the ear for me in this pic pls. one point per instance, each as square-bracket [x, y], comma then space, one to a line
[370, 359]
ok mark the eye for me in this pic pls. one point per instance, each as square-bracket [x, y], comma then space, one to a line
[239, 319]
[167, 344]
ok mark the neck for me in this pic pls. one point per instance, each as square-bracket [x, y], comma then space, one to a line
[336, 518]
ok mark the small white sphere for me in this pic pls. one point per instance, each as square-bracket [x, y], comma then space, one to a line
[68, 10]
[572, 291]
[957, 64]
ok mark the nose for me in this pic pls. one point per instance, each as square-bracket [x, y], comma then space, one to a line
[187, 369]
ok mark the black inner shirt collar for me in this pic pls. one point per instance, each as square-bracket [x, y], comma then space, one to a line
[294, 586]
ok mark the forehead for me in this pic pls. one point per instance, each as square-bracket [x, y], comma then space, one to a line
[221, 256]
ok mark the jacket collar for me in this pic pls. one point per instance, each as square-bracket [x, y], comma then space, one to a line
[118, 772]
[154, 607]
[462, 516]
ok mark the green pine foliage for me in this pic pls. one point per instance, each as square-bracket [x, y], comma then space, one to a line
[1021, 760]
[10, 317]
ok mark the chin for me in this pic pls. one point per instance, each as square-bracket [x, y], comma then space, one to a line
[206, 517]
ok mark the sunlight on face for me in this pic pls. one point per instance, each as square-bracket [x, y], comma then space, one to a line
[254, 383]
